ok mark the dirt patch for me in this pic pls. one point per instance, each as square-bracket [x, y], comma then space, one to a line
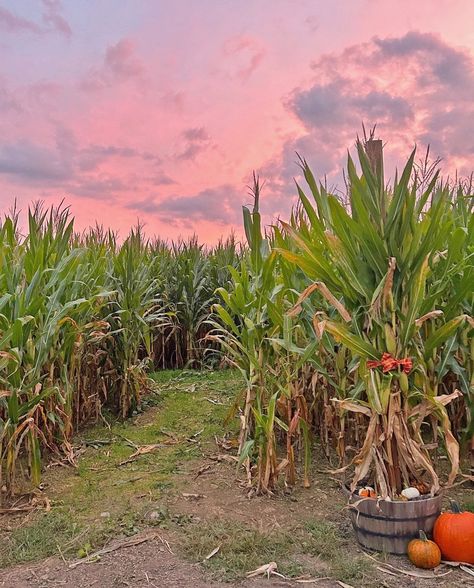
[218, 493]
[149, 564]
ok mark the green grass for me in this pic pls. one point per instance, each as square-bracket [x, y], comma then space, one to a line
[327, 541]
[241, 549]
[39, 539]
[318, 549]
[101, 499]
[468, 505]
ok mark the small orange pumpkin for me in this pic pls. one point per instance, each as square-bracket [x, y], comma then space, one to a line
[424, 553]
[454, 533]
[367, 492]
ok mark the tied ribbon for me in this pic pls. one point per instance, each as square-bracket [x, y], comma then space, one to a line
[389, 363]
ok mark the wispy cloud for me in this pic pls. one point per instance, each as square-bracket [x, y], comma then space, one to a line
[31, 162]
[52, 18]
[221, 204]
[247, 52]
[82, 170]
[12, 23]
[120, 64]
[162, 179]
[196, 141]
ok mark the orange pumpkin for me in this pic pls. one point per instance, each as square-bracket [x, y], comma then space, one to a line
[424, 553]
[454, 533]
[367, 492]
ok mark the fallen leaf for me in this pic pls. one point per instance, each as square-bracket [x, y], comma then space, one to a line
[118, 545]
[202, 470]
[192, 496]
[416, 574]
[225, 443]
[224, 457]
[467, 570]
[264, 570]
[141, 451]
[213, 553]
[166, 544]
[387, 571]
[310, 580]
[212, 401]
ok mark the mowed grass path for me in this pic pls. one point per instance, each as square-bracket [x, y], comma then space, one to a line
[102, 498]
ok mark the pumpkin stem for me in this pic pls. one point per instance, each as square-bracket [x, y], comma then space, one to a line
[455, 507]
[423, 536]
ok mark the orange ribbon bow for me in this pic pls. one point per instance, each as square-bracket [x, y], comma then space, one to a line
[389, 363]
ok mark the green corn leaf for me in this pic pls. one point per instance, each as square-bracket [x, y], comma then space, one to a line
[355, 343]
[440, 335]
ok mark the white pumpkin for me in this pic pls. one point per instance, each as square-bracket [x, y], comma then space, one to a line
[410, 493]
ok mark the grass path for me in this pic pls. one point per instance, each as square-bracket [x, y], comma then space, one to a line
[102, 498]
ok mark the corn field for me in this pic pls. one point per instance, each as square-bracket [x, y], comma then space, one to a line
[352, 325]
[83, 318]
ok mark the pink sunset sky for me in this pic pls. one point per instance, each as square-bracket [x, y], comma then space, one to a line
[161, 109]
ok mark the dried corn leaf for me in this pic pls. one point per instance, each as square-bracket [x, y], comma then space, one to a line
[427, 316]
[352, 406]
[416, 574]
[326, 293]
[265, 570]
[141, 451]
[214, 552]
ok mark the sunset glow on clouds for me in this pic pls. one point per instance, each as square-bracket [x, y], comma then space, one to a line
[161, 110]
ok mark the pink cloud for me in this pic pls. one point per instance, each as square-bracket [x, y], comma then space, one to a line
[10, 23]
[52, 17]
[249, 53]
[8, 101]
[120, 64]
[197, 140]
[417, 89]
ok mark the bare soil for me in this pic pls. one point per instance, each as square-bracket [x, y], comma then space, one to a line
[149, 564]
